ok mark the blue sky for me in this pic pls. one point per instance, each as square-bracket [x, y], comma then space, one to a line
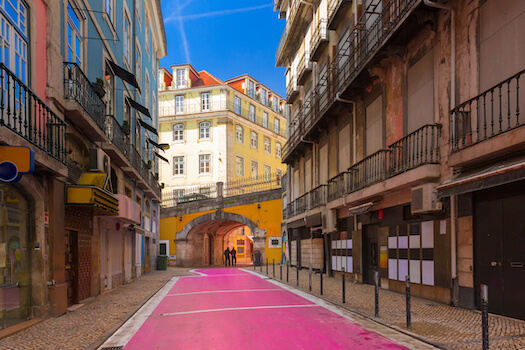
[225, 38]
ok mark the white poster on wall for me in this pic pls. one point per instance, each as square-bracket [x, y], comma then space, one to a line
[274, 242]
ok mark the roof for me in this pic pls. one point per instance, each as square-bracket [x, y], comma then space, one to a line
[206, 79]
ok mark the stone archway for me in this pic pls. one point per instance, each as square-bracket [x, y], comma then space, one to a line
[185, 252]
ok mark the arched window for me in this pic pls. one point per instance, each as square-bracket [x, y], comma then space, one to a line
[178, 132]
[278, 148]
[267, 145]
[239, 134]
[204, 130]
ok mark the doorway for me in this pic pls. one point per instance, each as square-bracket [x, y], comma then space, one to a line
[72, 267]
[370, 253]
[499, 246]
[207, 254]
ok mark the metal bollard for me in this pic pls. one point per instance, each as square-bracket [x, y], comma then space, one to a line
[297, 268]
[321, 280]
[409, 316]
[485, 315]
[287, 271]
[273, 266]
[310, 278]
[376, 277]
[267, 266]
[344, 291]
[281, 271]
[260, 267]
[253, 262]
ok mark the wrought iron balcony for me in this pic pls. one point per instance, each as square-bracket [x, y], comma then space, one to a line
[319, 39]
[304, 68]
[295, 25]
[28, 116]
[292, 89]
[336, 10]
[318, 196]
[491, 113]
[78, 88]
[117, 136]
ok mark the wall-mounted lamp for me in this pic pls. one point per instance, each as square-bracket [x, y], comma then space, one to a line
[164, 146]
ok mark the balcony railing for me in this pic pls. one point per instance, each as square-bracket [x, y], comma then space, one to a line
[318, 196]
[25, 114]
[304, 66]
[319, 36]
[368, 35]
[491, 113]
[78, 88]
[116, 135]
[334, 6]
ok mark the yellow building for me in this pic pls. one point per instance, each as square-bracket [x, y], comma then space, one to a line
[217, 132]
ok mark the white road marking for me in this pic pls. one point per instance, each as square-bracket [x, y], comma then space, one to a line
[227, 291]
[234, 309]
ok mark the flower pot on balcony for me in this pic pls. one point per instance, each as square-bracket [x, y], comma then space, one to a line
[149, 164]
[99, 88]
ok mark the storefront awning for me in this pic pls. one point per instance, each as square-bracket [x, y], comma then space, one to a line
[138, 107]
[161, 157]
[91, 194]
[360, 209]
[147, 127]
[501, 173]
[123, 74]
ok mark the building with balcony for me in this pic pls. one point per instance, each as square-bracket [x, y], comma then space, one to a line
[217, 132]
[382, 177]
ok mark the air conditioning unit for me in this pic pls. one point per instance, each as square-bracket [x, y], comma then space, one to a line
[424, 199]
[99, 161]
[329, 221]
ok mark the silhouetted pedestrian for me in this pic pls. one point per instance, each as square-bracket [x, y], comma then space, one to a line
[233, 253]
[227, 261]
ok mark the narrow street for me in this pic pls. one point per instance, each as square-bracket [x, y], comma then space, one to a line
[230, 308]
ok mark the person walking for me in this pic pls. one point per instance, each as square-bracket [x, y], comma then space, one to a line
[233, 253]
[227, 261]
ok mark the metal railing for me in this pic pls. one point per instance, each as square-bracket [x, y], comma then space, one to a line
[183, 194]
[368, 35]
[28, 116]
[333, 6]
[493, 112]
[291, 86]
[320, 34]
[116, 135]
[318, 196]
[78, 88]
[370, 170]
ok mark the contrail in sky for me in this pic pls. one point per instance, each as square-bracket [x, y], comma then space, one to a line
[214, 13]
[183, 33]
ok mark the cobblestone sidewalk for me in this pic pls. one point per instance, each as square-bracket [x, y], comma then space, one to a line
[443, 325]
[80, 328]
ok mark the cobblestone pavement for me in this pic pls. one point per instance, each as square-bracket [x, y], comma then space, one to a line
[80, 328]
[445, 326]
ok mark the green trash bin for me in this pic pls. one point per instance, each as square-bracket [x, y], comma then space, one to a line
[162, 262]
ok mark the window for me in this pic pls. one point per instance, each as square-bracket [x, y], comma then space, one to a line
[13, 42]
[237, 104]
[239, 166]
[267, 172]
[146, 91]
[265, 120]
[264, 97]
[254, 169]
[74, 36]
[147, 37]
[252, 113]
[267, 145]
[109, 97]
[127, 38]
[278, 174]
[204, 163]
[138, 11]
[178, 132]
[179, 104]
[205, 97]
[275, 104]
[181, 78]
[253, 139]
[277, 125]
[278, 149]
[178, 166]
[163, 248]
[251, 89]
[239, 134]
[109, 8]
[204, 130]
[138, 63]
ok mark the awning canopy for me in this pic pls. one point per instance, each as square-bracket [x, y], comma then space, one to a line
[360, 209]
[124, 74]
[161, 157]
[147, 126]
[138, 107]
[91, 195]
[501, 173]
[156, 144]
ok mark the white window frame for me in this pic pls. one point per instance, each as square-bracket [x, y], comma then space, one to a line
[179, 104]
[239, 133]
[265, 120]
[109, 10]
[181, 78]
[179, 166]
[254, 140]
[267, 145]
[278, 150]
[128, 30]
[253, 113]
[204, 130]
[75, 54]
[203, 165]
[205, 101]
[277, 125]
[237, 105]
[138, 12]
[146, 90]
[15, 57]
[178, 132]
[275, 104]
[267, 172]
[239, 166]
[251, 88]
[138, 63]
[254, 165]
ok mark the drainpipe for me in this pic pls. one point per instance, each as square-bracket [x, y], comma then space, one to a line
[354, 124]
[453, 198]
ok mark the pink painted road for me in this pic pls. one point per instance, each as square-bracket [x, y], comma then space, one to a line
[228, 308]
